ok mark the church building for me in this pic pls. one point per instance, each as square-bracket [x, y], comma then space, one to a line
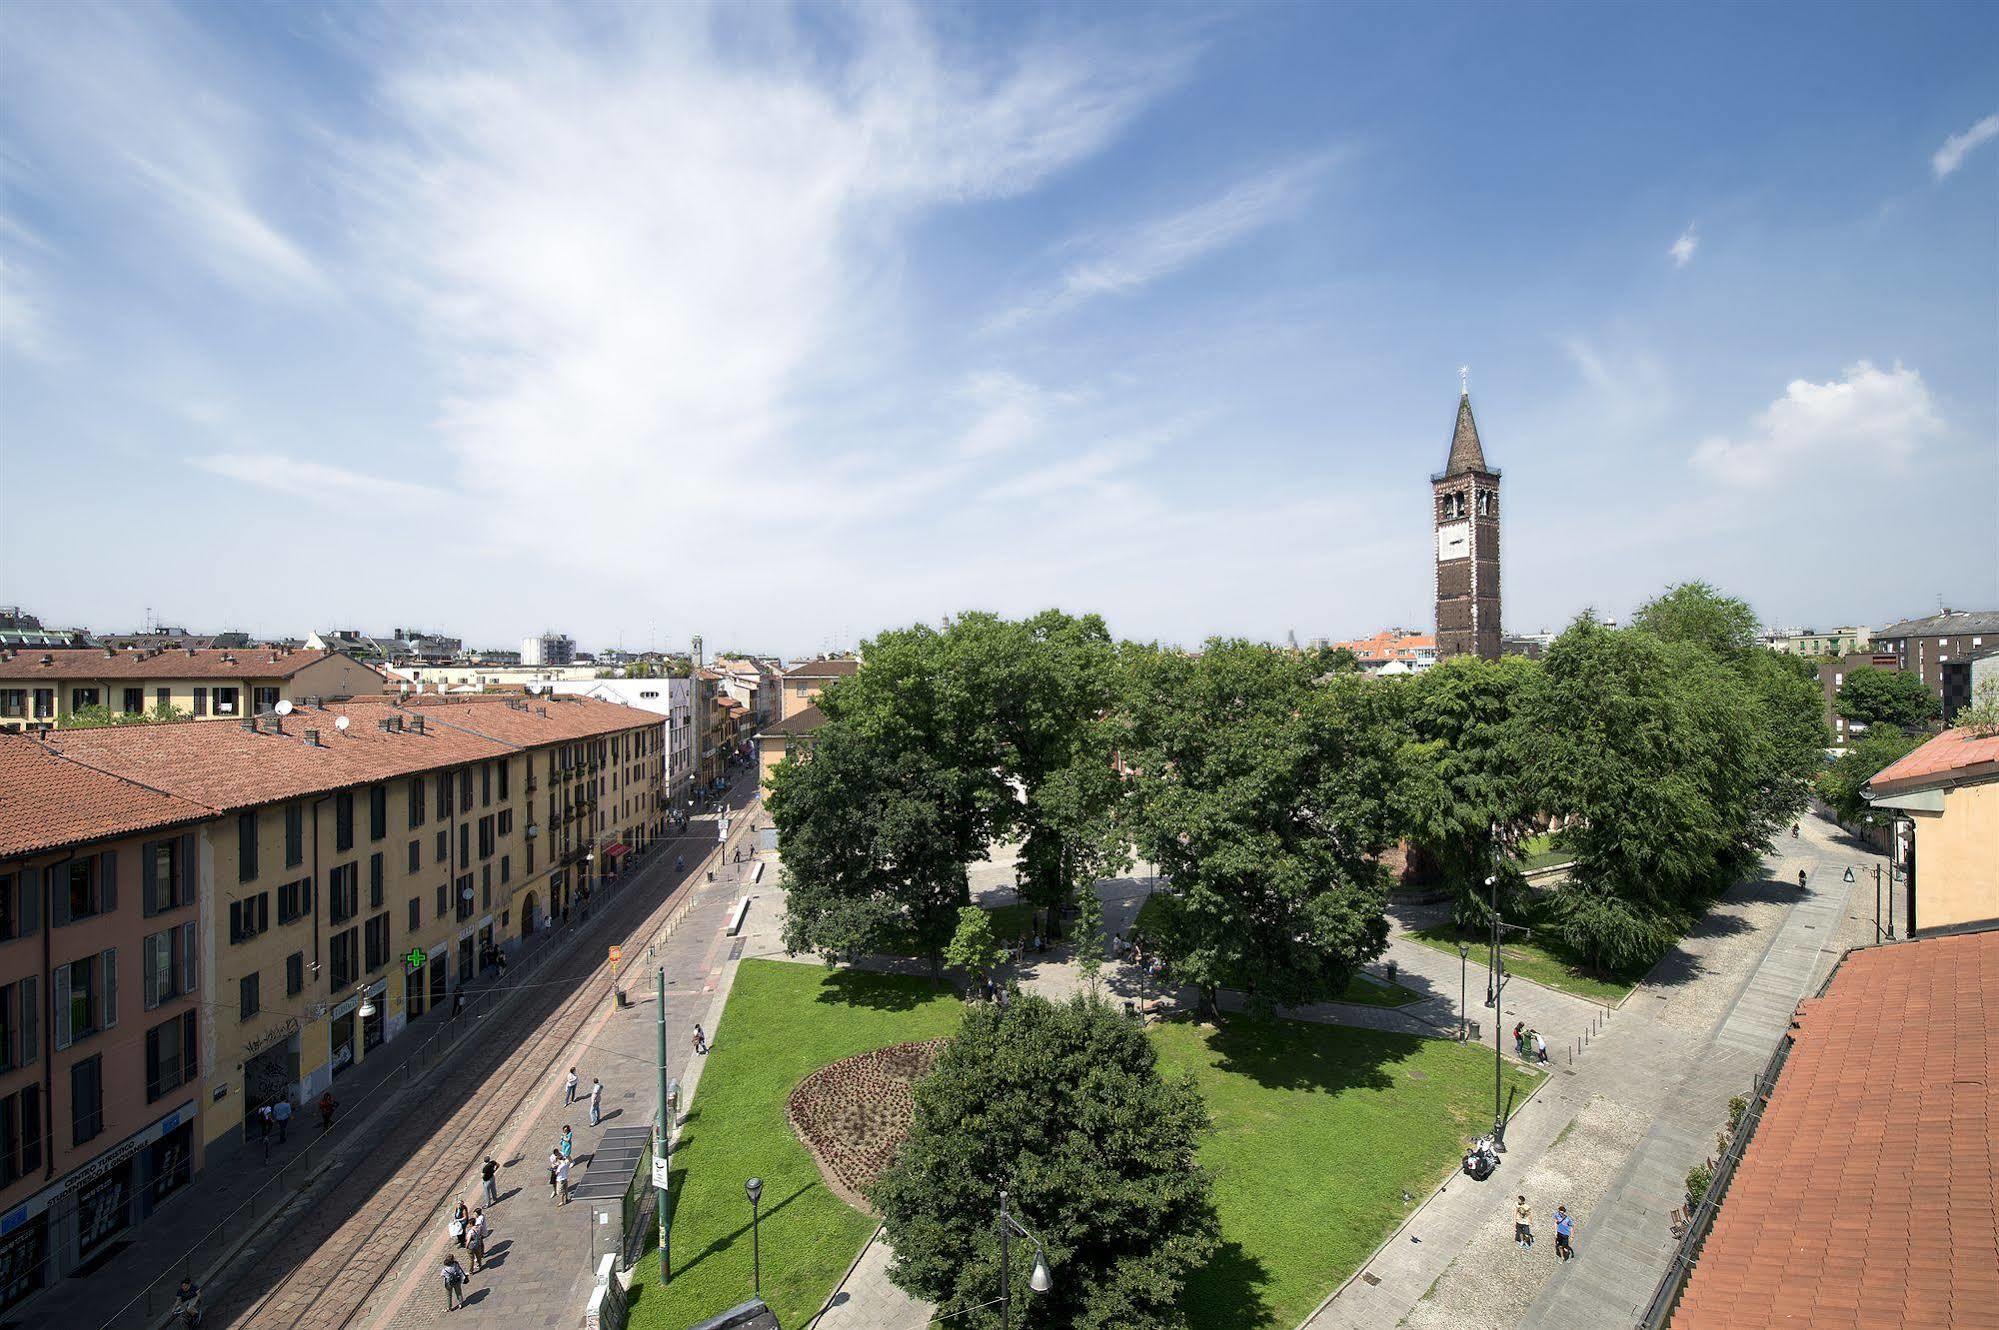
[1466, 494]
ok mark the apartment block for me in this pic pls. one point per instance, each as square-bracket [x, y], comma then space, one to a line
[45, 689]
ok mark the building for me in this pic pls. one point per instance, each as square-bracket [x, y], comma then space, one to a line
[1926, 646]
[776, 740]
[43, 689]
[21, 630]
[1832, 677]
[1963, 678]
[1465, 511]
[415, 644]
[97, 1097]
[798, 713]
[803, 683]
[1946, 798]
[1865, 1195]
[482, 678]
[1409, 651]
[548, 649]
[1812, 642]
[672, 699]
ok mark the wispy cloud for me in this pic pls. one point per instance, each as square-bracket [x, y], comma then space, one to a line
[1871, 415]
[332, 486]
[1952, 154]
[1091, 467]
[1161, 246]
[1682, 250]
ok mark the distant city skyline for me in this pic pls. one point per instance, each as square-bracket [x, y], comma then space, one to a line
[784, 326]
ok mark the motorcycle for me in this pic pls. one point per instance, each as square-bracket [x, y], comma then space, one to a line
[187, 1305]
[1481, 1159]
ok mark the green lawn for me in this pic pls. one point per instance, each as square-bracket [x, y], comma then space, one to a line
[1544, 960]
[1539, 852]
[784, 1022]
[1319, 1131]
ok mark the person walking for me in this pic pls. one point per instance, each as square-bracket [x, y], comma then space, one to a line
[562, 1183]
[475, 1240]
[1523, 1222]
[1540, 1047]
[264, 1123]
[281, 1113]
[569, 1083]
[700, 1040]
[596, 1101]
[554, 1160]
[1564, 1228]
[454, 1283]
[489, 1189]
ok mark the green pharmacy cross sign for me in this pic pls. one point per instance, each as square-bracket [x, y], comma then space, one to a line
[415, 959]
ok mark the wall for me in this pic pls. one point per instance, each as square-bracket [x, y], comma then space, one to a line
[1957, 859]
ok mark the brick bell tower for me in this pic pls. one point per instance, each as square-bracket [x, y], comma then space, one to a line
[1466, 513]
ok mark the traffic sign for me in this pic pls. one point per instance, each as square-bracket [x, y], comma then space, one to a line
[660, 1169]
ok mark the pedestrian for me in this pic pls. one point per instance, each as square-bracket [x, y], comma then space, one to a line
[1520, 1038]
[596, 1101]
[700, 1040]
[1523, 1222]
[475, 1240]
[281, 1113]
[567, 1145]
[460, 1217]
[264, 1123]
[500, 959]
[457, 1003]
[569, 1087]
[454, 1284]
[562, 1183]
[554, 1160]
[1540, 1047]
[1564, 1226]
[489, 1188]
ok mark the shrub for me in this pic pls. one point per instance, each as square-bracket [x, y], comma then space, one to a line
[1699, 1178]
[1737, 1106]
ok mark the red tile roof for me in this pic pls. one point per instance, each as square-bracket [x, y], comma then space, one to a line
[1869, 1194]
[81, 664]
[824, 669]
[1955, 756]
[798, 722]
[47, 803]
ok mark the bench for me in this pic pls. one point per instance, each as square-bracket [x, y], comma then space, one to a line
[738, 915]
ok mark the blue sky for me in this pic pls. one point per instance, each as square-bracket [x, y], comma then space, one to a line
[782, 325]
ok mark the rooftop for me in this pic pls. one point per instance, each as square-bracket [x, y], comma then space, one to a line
[48, 804]
[824, 669]
[1867, 1195]
[798, 722]
[1948, 624]
[91, 663]
[1955, 757]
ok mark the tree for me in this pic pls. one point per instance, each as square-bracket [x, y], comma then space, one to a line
[1843, 783]
[103, 717]
[1262, 786]
[973, 948]
[1698, 613]
[1062, 1106]
[1873, 696]
[1982, 716]
[1090, 936]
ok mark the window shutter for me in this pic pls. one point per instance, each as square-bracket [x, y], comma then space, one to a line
[29, 911]
[31, 1017]
[107, 881]
[149, 970]
[149, 886]
[58, 895]
[109, 960]
[187, 958]
[189, 866]
[62, 1006]
[190, 1064]
[235, 921]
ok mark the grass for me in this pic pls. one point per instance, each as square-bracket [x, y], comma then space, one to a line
[1543, 959]
[1319, 1130]
[1539, 852]
[784, 1022]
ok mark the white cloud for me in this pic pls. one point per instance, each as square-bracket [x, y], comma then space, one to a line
[1091, 467]
[1952, 154]
[1162, 246]
[1682, 250]
[329, 485]
[1874, 416]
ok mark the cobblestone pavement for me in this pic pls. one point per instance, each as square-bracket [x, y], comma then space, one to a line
[329, 1255]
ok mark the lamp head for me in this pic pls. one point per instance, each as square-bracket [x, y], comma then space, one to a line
[1464, 950]
[1040, 1281]
[754, 1189]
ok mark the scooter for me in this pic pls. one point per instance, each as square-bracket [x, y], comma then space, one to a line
[1481, 1159]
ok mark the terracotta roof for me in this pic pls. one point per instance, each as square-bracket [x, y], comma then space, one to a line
[824, 669]
[1867, 1196]
[47, 803]
[81, 664]
[798, 722]
[1954, 757]
[1466, 454]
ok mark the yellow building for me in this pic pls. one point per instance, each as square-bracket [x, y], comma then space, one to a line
[799, 713]
[369, 865]
[1947, 841]
[43, 689]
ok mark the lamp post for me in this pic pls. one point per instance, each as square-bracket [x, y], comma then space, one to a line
[1040, 1281]
[754, 1189]
[1464, 965]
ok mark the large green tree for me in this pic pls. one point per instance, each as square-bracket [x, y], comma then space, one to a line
[1698, 613]
[1843, 783]
[1899, 698]
[1062, 1106]
[1261, 786]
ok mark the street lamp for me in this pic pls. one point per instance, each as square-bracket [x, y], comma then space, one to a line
[1040, 1281]
[754, 1189]
[1464, 965]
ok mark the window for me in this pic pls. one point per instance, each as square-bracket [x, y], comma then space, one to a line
[294, 900]
[20, 1024]
[294, 835]
[486, 836]
[465, 788]
[20, 1134]
[416, 914]
[464, 844]
[163, 697]
[416, 855]
[263, 701]
[14, 702]
[86, 1099]
[465, 897]
[20, 905]
[375, 881]
[225, 701]
[79, 698]
[530, 858]
[170, 1059]
[343, 821]
[295, 974]
[248, 1000]
[135, 701]
[506, 767]
[83, 888]
[378, 942]
[45, 703]
[506, 821]
[166, 882]
[443, 846]
[506, 869]
[86, 997]
[344, 952]
[416, 802]
[378, 812]
[249, 917]
[166, 964]
[444, 794]
[486, 887]
[343, 893]
[246, 847]
[201, 701]
[485, 784]
[443, 897]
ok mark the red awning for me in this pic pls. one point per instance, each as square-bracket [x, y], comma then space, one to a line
[617, 850]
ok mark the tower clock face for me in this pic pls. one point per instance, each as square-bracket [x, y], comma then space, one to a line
[1453, 541]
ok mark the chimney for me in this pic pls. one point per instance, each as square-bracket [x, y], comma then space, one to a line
[47, 659]
[418, 722]
[250, 724]
[111, 651]
[190, 651]
[312, 739]
[384, 725]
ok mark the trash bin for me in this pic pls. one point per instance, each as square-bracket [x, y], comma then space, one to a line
[1471, 1031]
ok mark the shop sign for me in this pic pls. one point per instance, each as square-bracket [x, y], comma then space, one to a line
[285, 1030]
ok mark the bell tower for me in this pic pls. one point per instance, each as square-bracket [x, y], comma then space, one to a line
[1465, 496]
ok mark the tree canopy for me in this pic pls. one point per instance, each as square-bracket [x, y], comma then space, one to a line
[1843, 783]
[1063, 1106]
[1899, 698]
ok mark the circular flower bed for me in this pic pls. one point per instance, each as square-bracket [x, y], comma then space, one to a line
[852, 1114]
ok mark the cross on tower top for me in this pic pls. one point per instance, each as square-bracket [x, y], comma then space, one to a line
[1464, 380]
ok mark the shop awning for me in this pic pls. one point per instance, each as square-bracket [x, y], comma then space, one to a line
[617, 850]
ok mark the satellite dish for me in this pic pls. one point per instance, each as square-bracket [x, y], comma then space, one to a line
[283, 708]
[340, 723]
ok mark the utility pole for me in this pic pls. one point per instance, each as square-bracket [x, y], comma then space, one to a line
[662, 1158]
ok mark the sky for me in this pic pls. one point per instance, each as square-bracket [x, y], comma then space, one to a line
[785, 324]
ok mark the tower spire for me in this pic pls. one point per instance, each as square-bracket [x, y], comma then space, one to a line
[1464, 380]
[1466, 453]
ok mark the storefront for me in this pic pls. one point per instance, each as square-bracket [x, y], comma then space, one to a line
[352, 1033]
[271, 1072]
[24, 1257]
